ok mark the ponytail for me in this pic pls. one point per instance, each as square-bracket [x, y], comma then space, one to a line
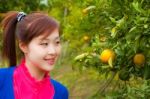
[9, 46]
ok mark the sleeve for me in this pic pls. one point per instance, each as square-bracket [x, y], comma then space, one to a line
[61, 92]
[65, 93]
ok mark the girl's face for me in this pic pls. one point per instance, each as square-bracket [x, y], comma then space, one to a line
[42, 53]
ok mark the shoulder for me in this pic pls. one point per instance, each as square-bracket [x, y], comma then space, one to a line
[6, 83]
[59, 86]
[5, 73]
[60, 89]
[2, 75]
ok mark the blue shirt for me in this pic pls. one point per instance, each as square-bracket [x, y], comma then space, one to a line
[7, 91]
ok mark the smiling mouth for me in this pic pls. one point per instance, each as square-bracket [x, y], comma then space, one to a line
[50, 61]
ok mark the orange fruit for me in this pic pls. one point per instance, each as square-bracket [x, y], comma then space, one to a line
[85, 11]
[139, 59]
[102, 38]
[106, 55]
[86, 38]
[124, 75]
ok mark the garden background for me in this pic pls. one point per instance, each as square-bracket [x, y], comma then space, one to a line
[105, 45]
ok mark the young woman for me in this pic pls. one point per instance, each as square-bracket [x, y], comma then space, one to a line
[38, 38]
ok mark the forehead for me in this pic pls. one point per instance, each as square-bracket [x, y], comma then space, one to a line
[50, 36]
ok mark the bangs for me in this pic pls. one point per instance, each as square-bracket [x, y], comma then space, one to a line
[45, 26]
[42, 26]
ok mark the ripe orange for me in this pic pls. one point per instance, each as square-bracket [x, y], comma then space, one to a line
[106, 55]
[86, 38]
[139, 59]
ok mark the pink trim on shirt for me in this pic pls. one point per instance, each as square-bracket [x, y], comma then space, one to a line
[27, 87]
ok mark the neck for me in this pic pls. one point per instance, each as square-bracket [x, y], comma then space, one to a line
[34, 71]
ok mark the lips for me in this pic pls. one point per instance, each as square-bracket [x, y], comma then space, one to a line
[51, 61]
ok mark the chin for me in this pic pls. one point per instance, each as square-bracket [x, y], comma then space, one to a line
[49, 68]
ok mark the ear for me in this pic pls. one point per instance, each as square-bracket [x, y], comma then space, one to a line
[23, 47]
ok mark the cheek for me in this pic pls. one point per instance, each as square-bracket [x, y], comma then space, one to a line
[36, 52]
[59, 50]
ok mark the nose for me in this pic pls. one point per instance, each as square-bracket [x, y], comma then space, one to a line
[51, 50]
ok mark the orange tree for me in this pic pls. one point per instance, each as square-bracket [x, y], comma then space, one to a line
[109, 35]
[119, 31]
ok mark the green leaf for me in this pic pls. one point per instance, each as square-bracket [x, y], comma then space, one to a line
[110, 62]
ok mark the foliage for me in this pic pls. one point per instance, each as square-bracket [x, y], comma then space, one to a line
[125, 30]
[21, 5]
[122, 26]
[131, 92]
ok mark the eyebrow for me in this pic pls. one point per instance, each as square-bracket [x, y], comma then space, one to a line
[48, 38]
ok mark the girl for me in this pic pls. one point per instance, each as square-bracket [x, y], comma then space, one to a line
[38, 39]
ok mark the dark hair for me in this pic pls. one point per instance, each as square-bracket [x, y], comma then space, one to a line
[32, 25]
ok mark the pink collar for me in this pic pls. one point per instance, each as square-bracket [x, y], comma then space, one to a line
[27, 87]
[32, 79]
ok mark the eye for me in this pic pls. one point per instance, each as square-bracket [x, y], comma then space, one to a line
[44, 44]
[57, 42]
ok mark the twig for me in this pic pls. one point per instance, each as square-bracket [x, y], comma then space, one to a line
[101, 90]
